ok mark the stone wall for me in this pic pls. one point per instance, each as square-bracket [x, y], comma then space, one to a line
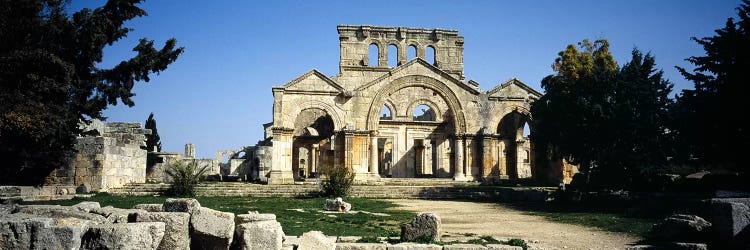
[110, 159]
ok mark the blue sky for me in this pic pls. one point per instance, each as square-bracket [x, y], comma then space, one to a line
[218, 93]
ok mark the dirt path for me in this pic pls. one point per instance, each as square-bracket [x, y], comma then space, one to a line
[461, 217]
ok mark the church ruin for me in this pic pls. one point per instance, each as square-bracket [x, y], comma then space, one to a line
[417, 118]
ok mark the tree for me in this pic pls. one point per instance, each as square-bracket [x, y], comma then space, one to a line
[50, 80]
[153, 139]
[610, 121]
[710, 119]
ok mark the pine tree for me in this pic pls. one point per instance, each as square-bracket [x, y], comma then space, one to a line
[153, 139]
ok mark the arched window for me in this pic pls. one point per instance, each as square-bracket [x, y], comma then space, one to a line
[526, 129]
[373, 55]
[385, 113]
[392, 55]
[424, 113]
[429, 54]
[411, 52]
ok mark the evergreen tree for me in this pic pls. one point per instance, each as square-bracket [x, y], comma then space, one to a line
[153, 139]
[50, 81]
[710, 120]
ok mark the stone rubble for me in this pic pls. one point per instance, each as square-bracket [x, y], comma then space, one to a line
[337, 205]
[424, 226]
[316, 240]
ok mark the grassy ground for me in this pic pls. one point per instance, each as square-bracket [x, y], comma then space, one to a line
[295, 215]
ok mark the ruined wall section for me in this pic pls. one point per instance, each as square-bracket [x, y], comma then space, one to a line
[109, 160]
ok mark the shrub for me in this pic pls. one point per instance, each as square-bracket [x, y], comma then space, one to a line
[518, 243]
[338, 182]
[184, 178]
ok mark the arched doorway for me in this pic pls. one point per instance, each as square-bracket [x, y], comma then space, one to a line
[312, 141]
[514, 145]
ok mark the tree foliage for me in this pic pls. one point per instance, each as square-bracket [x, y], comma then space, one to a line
[152, 140]
[710, 119]
[50, 80]
[608, 120]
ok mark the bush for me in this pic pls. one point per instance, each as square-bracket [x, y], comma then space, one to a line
[518, 243]
[184, 178]
[338, 182]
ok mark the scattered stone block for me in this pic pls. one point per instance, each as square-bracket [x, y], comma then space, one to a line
[290, 241]
[731, 222]
[87, 206]
[16, 231]
[141, 236]
[464, 247]
[245, 218]
[259, 235]
[211, 229]
[150, 207]
[117, 215]
[54, 211]
[688, 246]
[682, 227]
[63, 233]
[176, 231]
[414, 246]
[187, 205]
[502, 247]
[337, 205]
[424, 226]
[361, 246]
[316, 240]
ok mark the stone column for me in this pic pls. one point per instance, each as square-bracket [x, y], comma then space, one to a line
[314, 159]
[458, 148]
[189, 150]
[374, 156]
[281, 165]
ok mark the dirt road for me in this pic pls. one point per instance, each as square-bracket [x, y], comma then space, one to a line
[461, 217]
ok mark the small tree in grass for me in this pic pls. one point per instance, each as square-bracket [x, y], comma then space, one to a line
[184, 177]
[338, 183]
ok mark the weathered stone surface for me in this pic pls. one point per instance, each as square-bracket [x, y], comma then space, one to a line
[87, 206]
[7, 209]
[244, 218]
[117, 215]
[361, 246]
[211, 229]
[259, 235]
[63, 233]
[17, 233]
[176, 231]
[338, 205]
[424, 226]
[315, 240]
[688, 246]
[59, 212]
[502, 247]
[464, 247]
[181, 205]
[136, 236]
[732, 222]
[290, 241]
[682, 227]
[414, 246]
[150, 207]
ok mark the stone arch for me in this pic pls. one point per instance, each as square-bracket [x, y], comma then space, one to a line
[508, 109]
[391, 107]
[337, 122]
[454, 105]
[435, 108]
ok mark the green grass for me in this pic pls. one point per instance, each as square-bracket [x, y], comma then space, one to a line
[293, 222]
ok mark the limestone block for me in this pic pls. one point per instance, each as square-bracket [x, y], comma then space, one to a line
[59, 212]
[316, 240]
[136, 236]
[17, 233]
[464, 247]
[150, 207]
[425, 225]
[731, 220]
[361, 246]
[688, 246]
[117, 215]
[337, 204]
[253, 217]
[211, 229]
[87, 206]
[63, 233]
[181, 205]
[259, 235]
[681, 227]
[414, 246]
[503, 247]
[176, 231]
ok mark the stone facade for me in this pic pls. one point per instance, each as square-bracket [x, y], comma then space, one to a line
[110, 159]
[413, 119]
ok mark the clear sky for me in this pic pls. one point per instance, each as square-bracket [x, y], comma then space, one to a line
[218, 93]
